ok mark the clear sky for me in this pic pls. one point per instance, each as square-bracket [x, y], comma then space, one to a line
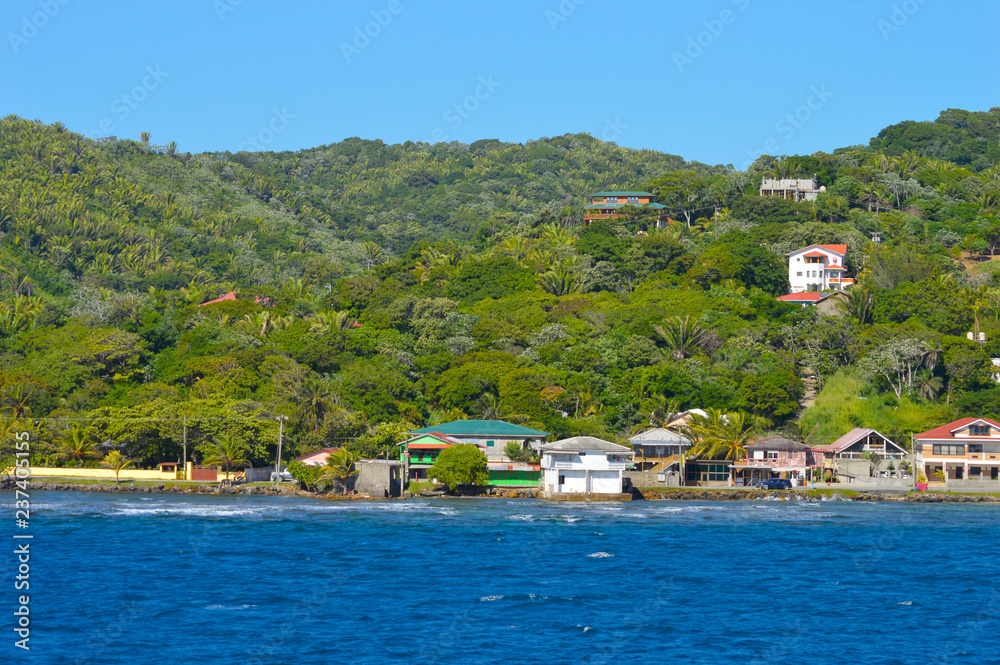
[717, 81]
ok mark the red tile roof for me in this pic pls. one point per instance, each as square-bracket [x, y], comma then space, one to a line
[946, 431]
[429, 446]
[839, 249]
[801, 297]
[818, 254]
[229, 296]
[834, 267]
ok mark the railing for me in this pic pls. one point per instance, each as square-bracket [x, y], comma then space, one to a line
[616, 466]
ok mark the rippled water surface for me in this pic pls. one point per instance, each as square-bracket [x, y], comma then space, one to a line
[149, 579]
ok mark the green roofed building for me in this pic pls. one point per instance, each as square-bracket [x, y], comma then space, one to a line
[491, 436]
[606, 205]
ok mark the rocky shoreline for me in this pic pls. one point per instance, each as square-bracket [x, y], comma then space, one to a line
[792, 495]
[648, 494]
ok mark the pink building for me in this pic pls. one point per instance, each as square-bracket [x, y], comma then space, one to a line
[776, 457]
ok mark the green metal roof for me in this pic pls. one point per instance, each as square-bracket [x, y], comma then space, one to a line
[622, 194]
[497, 428]
[594, 206]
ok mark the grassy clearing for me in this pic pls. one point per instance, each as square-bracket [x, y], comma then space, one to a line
[840, 407]
[416, 487]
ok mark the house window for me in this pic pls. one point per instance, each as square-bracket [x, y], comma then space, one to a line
[611, 199]
[489, 443]
[798, 274]
[975, 471]
[948, 449]
[633, 199]
[772, 455]
[975, 447]
[979, 430]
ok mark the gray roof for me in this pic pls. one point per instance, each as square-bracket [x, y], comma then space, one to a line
[660, 437]
[777, 443]
[584, 444]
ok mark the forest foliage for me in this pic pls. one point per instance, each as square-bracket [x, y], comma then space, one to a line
[381, 288]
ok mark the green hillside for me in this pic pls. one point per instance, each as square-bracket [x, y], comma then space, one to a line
[413, 284]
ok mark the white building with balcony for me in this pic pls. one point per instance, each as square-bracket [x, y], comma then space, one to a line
[583, 465]
[818, 268]
[793, 189]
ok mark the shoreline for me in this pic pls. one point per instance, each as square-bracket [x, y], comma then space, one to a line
[648, 494]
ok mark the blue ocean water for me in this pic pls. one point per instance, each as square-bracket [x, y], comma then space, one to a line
[162, 578]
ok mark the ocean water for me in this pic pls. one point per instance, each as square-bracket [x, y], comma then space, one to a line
[163, 579]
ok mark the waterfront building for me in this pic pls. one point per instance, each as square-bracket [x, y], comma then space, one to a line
[584, 466]
[964, 450]
[491, 436]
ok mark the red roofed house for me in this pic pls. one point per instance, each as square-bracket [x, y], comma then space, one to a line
[826, 303]
[818, 268]
[317, 458]
[967, 449]
[229, 296]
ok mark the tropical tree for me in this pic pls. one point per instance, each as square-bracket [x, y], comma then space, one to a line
[462, 464]
[76, 446]
[681, 335]
[340, 466]
[116, 461]
[224, 452]
[657, 411]
[721, 435]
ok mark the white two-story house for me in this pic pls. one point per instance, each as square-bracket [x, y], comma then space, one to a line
[584, 465]
[967, 449]
[818, 268]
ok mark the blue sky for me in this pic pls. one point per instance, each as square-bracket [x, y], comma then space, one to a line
[717, 81]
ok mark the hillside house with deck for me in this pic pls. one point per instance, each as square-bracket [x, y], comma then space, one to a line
[818, 268]
[608, 205]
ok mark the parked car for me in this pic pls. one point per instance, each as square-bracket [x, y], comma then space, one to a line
[286, 476]
[773, 484]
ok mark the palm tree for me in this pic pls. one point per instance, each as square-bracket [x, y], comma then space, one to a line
[144, 136]
[721, 434]
[77, 446]
[340, 465]
[317, 399]
[657, 411]
[116, 462]
[858, 304]
[680, 334]
[225, 452]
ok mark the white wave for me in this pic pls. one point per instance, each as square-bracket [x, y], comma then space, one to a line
[600, 555]
[521, 518]
[490, 599]
[229, 607]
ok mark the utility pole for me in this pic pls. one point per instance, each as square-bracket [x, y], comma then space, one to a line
[281, 431]
[184, 462]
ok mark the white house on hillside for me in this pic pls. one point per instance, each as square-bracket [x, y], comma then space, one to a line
[583, 465]
[794, 189]
[818, 268]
